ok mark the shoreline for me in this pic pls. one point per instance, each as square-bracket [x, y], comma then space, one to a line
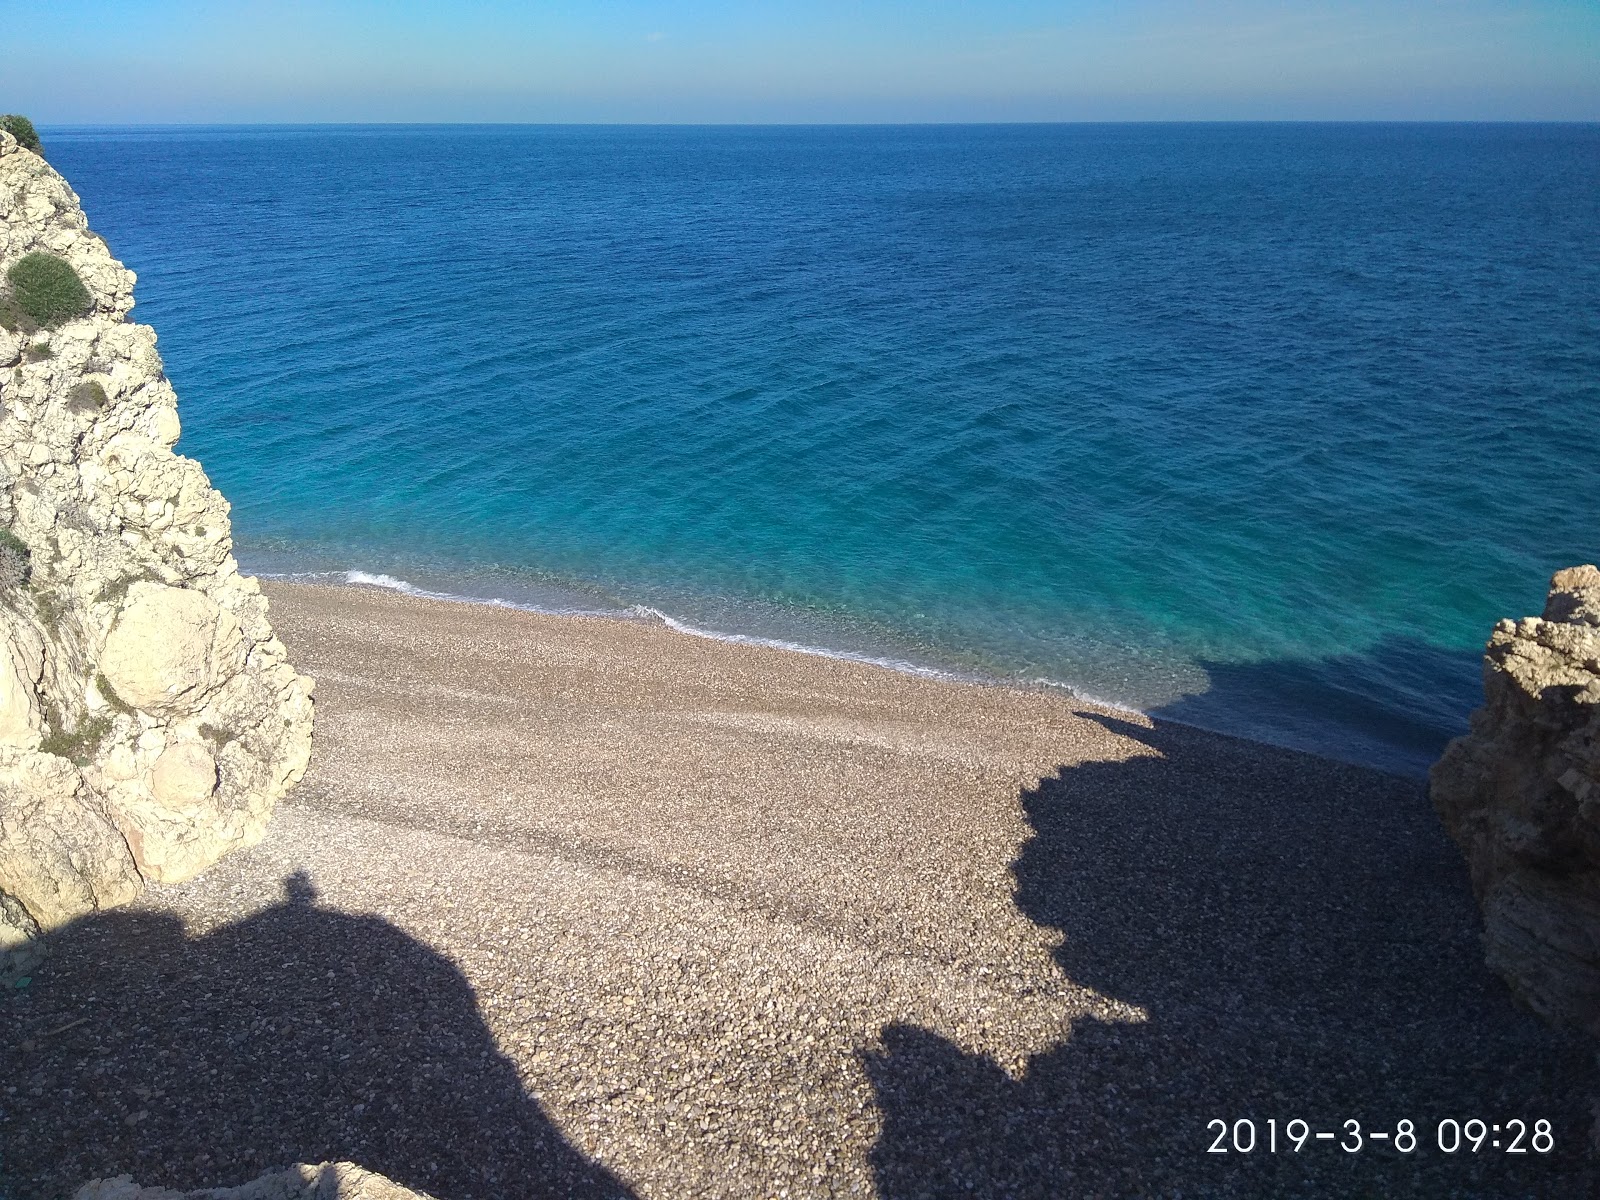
[637, 612]
[647, 615]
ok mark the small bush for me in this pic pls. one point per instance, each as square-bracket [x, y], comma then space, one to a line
[88, 396]
[13, 319]
[22, 129]
[15, 562]
[51, 609]
[48, 289]
[114, 591]
[40, 351]
[78, 744]
[217, 735]
[109, 695]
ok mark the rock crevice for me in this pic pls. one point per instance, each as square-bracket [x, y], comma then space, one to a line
[149, 718]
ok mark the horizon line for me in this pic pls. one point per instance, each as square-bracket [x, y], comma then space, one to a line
[67, 125]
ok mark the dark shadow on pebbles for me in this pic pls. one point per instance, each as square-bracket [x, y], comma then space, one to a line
[299, 1034]
[1303, 939]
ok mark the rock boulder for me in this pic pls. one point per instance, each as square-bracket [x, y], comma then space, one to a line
[1520, 794]
[170, 648]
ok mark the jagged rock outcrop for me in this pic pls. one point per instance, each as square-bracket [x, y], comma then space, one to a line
[149, 719]
[325, 1181]
[1520, 794]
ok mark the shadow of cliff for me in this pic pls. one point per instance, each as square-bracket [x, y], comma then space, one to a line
[1392, 706]
[1303, 940]
[298, 1034]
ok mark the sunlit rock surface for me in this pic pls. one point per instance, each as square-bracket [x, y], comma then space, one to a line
[149, 719]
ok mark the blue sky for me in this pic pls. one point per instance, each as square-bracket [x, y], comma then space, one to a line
[112, 61]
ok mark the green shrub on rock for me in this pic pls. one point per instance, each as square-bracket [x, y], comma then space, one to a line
[115, 591]
[47, 289]
[22, 129]
[88, 396]
[78, 744]
[15, 562]
[118, 704]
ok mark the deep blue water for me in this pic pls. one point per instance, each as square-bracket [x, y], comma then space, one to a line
[1259, 426]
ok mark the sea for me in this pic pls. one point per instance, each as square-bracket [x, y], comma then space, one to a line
[1257, 427]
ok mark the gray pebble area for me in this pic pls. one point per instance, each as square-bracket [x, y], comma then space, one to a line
[574, 907]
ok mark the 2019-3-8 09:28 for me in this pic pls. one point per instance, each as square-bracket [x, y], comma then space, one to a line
[1515, 1136]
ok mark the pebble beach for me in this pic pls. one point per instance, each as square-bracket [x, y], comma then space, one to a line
[590, 907]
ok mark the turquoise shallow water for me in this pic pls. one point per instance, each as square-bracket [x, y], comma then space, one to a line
[1260, 427]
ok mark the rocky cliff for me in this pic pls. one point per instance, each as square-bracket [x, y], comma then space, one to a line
[1520, 794]
[149, 719]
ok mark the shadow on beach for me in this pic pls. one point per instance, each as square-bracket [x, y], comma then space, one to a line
[1302, 937]
[298, 1034]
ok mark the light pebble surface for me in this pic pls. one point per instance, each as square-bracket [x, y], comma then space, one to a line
[580, 906]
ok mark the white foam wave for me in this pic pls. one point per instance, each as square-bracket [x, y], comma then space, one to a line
[746, 639]
[405, 587]
[644, 612]
[1078, 693]
[368, 579]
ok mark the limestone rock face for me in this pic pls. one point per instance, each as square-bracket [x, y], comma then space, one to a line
[325, 1181]
[184, 777]
[60, 854]
[21, 664]
[149, 719]
[170, 648]
[1520, 794]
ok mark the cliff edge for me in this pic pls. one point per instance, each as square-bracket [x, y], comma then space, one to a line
[149, 718]
[1520, 794]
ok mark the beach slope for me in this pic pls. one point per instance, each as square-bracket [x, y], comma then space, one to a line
[579, 906]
